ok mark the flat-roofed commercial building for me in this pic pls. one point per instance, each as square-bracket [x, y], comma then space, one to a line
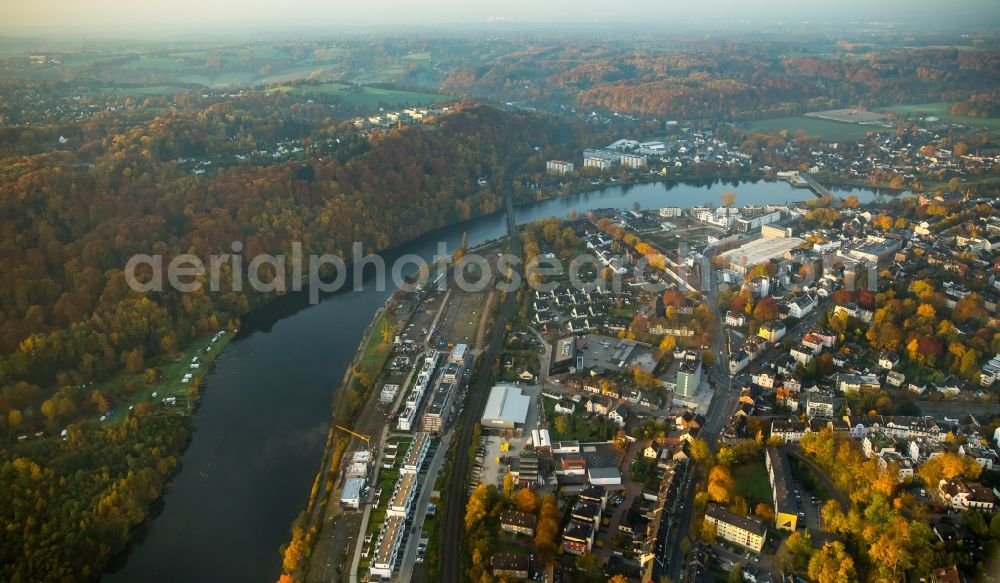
[506, 408]
[759, 251]
[459, 353]
[742, 530]
[780, 477]
[350, 494]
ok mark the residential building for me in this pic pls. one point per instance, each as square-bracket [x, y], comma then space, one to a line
[518, 522]
[800, 306]
[961, 496]
[735, 319]
[790, 431]
[416, 453]
[586, 511]
[634, 161]
[780, 478]
[823, 406]
[772, 331]
[402, 495]
[578, 537]
[595, 494]
[387, 547]
[618, 415]
[689, 375]
[738, 361]
[775, 231]
[558, 167]
[888, 360]
[742, 530]
[510, 566]
[852, 383]
[601, 164]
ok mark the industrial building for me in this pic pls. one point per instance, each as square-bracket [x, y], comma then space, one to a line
[763, 250]
[506, 408]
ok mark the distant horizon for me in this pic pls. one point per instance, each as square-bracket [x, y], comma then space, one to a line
[118, 19]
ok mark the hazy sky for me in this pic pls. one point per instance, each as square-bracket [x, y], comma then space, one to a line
[31, 16]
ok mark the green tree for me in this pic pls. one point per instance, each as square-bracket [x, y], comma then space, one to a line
[736, 573]
[832, 564]
[590, 567]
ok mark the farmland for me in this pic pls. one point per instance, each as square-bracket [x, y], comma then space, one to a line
[940, 111]
[827, 129]
[364, 97]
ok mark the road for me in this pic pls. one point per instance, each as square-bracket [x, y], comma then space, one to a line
[722, 406]
[632, 491]
[420, 512]
[818, 473]
[368, 497]
[451, 551]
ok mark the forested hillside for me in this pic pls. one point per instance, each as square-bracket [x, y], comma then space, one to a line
[737, 79]
[73, 213]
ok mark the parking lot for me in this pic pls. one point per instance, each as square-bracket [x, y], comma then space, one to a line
[604, 353]
[488, 471]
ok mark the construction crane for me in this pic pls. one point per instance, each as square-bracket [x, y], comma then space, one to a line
[367, 438]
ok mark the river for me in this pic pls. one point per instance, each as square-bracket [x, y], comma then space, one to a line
[260, 429]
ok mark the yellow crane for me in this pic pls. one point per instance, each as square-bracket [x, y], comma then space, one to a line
[367, 438]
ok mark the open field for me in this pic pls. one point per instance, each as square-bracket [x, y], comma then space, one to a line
[387, 74]
[365, 97]
[461, 320]
[150, 90]
[827, 129]
[849, 116]
[376, 351]
[421, 56]
[329, 53]
[940, 111]
[126, 390]
[157, 63]
[752, 482]
[579, 426]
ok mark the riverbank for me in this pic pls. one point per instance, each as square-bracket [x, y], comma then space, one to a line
[584, 186]
[264, 420]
